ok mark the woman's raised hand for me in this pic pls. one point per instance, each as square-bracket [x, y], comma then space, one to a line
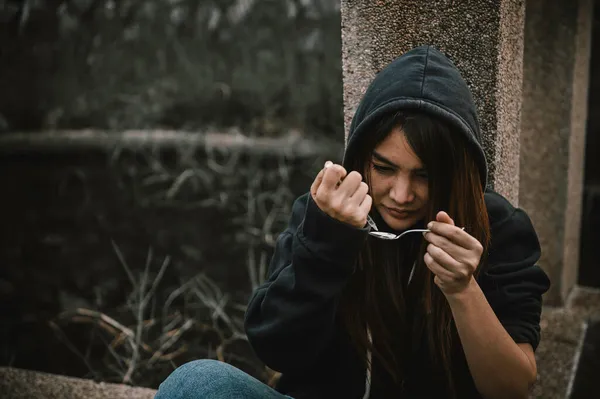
[452, 255]
[341, 195]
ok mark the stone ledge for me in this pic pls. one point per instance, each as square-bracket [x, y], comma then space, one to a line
[293, 143]
[27, 384]
[562, 334]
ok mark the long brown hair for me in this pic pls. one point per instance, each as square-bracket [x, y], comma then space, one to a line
[377, 295]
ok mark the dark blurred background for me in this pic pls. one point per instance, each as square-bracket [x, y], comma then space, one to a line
[184, 64]
[121, 261]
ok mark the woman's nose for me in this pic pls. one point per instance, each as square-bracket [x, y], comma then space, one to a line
[401, 191]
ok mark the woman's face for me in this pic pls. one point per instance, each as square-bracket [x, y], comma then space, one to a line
[398, 182]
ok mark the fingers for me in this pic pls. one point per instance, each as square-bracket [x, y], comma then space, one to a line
[336, 178]
[332, 175]
[342, 195]
[450, 255]
[319, 179]
[351, 184]
[317, 183]
[359, 193]
[455, 234]
[443, 217]
[436, 268]
[365, 206]
[455, 251]
[443, 258]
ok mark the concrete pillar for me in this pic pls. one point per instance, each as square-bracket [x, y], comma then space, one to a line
[555, 87]
[483, 38]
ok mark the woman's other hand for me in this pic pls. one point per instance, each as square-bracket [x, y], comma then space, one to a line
[341, 195]
[452, 255]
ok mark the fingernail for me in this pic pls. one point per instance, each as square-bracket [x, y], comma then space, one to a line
[328, 164]
[430, 225]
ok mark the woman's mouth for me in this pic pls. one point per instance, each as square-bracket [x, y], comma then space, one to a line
[398, 213]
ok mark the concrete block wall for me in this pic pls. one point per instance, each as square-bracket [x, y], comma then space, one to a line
[555, 88]
[484, 39]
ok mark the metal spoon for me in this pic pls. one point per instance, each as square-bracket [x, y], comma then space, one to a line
[391, 236]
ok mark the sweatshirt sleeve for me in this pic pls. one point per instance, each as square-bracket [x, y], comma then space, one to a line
[291, 318]
[512, 281]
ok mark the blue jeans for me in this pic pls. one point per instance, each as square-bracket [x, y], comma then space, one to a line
[212, 379]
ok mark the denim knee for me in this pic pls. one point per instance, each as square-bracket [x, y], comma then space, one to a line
[204, 378]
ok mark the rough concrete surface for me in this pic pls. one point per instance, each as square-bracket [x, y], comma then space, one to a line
[562, 332]
[575, 175]
[483, 38]
[553, 118]
[506, 137]
[26, 384]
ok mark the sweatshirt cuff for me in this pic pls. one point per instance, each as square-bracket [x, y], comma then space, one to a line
[331, 239]
[524, 334]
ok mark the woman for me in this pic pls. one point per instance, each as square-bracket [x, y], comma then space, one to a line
[451, 313]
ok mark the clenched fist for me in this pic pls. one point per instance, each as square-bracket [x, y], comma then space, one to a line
[341, 195]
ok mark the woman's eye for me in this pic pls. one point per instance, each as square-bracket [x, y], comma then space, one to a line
[383, 169]
[422, 175]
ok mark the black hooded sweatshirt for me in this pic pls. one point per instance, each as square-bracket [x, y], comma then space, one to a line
[292, 321]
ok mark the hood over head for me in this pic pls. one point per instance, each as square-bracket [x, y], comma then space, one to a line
[422, 79]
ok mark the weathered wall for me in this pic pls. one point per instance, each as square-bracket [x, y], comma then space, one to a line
[26, 384]
[484, 39]
[555, 82]
[589, 272]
